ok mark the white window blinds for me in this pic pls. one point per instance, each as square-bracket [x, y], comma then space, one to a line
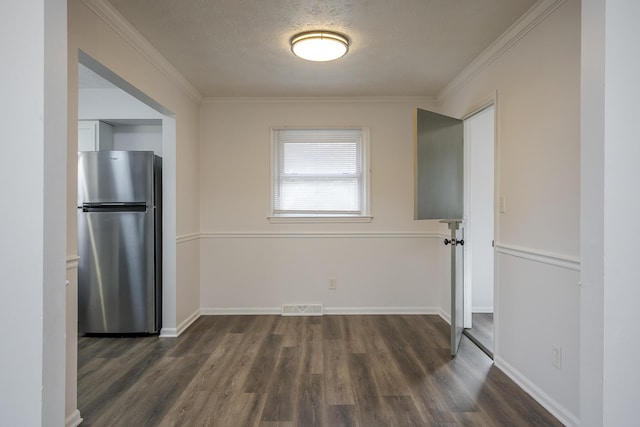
[318, 172]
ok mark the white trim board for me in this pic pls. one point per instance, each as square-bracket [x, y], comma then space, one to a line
[530, 254]
[381, 310]
[240, 311]
[482, 310]
[73, 419]
[550, 404]
[183, 326]
[169, 333]
[444, 315]
[72, 262]
[187, 238]
[307, 235]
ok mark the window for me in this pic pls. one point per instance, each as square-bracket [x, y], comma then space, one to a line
[320, 173]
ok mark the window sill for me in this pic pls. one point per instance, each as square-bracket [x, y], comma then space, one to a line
[318, 219]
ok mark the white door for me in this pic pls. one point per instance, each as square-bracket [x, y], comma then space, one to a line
[439, 195]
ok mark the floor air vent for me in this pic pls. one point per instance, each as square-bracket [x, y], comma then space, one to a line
[302, 310]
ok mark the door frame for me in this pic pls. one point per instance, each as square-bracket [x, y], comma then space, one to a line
[489, 102]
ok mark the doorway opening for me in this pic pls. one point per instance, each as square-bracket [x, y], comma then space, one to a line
[455, 184]
[479, 219]
[125, 107]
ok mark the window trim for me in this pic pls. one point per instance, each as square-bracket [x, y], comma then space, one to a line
[364, 216]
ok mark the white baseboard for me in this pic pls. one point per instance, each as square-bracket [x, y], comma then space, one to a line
[380, 310]
[239, 311]
[73, 419]
[169, 333]
[175, 332]
[550, 404]
[445, 316]
[188, 321]
[215, 311]
[482, 309]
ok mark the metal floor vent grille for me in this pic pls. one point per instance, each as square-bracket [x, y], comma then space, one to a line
[302, 310]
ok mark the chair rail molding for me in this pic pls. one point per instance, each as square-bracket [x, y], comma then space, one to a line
[563, 261]
[320, 235]
[72, 261]
[184, 238]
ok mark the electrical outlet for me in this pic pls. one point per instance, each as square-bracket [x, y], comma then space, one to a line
[556, 356]
[332, 284]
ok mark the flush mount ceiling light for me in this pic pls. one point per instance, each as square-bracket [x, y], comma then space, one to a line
[319, 45]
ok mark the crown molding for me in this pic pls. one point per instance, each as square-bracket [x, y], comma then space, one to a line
[321, 100]
[534, 16]
[124, 29]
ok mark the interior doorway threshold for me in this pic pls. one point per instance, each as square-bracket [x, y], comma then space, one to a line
[469, 334]
[482, 332]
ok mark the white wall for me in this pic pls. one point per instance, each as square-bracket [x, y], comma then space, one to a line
[538, 130]
[251, 265]
[32, 170]
[592, 214]
[110, 104]
[621, 156]
[610, 381]
[138, 137]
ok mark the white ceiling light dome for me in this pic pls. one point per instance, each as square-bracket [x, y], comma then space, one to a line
[319, 46]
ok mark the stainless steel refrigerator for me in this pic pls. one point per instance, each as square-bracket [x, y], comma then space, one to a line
[119, 242]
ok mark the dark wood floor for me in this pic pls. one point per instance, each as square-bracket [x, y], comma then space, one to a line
[271, 371]
[482, 331]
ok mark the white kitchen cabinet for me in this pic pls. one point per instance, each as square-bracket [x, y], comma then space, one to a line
[94, 135]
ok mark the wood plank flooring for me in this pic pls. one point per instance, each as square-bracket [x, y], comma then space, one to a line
[272, 371]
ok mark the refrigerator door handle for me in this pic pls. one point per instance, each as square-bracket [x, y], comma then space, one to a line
[114, 207]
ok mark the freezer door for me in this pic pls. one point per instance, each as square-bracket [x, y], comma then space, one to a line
[115, 176]
[116, 286]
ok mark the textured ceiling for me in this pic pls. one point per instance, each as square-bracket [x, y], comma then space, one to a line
[398, 47]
